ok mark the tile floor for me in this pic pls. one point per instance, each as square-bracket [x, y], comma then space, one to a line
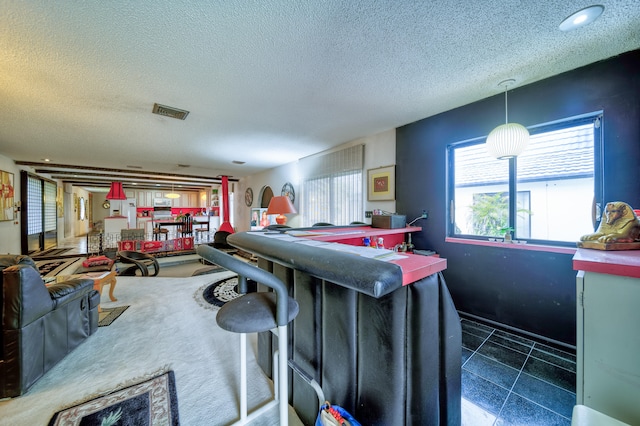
[511, 380]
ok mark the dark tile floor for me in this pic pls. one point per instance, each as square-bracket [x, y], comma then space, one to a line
[511, 380]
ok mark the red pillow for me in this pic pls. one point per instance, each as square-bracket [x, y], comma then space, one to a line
[148, 246]
[127, 245]
[96, 261]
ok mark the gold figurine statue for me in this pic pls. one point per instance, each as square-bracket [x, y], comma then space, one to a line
[619, 225]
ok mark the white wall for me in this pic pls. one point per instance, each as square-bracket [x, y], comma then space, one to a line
[379, 151]
[10, 230]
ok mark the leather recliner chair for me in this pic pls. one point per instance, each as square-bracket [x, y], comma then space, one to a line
[40, 324]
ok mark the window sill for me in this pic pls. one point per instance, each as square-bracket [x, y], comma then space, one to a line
[514, 246]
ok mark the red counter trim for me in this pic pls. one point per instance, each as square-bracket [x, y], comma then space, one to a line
[414, 267]
[623, 263]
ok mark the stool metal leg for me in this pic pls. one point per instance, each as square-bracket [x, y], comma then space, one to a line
[283, 393]
[280, 382]
[243, 377]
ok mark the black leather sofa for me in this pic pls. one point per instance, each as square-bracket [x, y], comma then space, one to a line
[40, 324]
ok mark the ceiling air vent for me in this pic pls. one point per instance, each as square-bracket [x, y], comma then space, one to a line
[168, 111]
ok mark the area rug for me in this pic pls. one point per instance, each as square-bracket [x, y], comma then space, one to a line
[213, 269]
[221, 292]
[109, 315]
[152, 402]
[49, 253]
[52, 267]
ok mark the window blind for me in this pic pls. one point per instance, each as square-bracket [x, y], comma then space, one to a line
[332, 187]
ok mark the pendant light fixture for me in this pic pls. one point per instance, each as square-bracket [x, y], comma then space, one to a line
[172, 194]
[116, 192]
[510, 139]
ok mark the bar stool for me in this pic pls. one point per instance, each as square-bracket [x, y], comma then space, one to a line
[157, 231]
[253, 313]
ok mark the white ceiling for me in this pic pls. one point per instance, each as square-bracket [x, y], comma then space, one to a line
[266, 81]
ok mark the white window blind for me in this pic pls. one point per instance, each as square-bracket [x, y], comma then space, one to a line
[332, 187]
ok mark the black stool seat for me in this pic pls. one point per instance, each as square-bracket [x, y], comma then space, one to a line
[253, 313]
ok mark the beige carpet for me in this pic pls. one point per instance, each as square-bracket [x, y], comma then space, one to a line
[165, 328]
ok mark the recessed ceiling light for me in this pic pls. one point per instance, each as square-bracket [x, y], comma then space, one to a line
[46, 160]
[581, 18]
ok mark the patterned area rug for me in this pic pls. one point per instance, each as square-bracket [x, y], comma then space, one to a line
[51, 268]
[221, 292]
[152, 402]
[213, 296]
[49, 253]
[109, 315]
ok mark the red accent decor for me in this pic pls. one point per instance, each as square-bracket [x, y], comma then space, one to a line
[281, 205]
[97, 261]
[226, 225]
[116, 192]
[147, 246]
[129, 245]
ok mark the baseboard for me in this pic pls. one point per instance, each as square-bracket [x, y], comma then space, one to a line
[523, 333]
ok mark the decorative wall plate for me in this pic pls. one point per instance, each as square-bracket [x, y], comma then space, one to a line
[248, 197]
[287, 189]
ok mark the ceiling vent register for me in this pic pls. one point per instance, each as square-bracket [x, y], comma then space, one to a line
[168, 111]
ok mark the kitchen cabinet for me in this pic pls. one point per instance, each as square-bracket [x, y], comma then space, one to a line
[187, 199]
[114, 224]
[144, 198]
[145, 223]
[607, 341]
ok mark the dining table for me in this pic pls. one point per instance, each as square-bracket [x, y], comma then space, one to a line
[165, 223]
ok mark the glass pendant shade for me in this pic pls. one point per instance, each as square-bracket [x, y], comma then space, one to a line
[172, 194]
[507, 141]
[510, 139]
[116, 192]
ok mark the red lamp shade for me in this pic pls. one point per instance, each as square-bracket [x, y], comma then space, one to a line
[281, 205]
[116, 192]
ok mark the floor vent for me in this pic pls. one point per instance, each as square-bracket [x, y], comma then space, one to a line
[167, 111]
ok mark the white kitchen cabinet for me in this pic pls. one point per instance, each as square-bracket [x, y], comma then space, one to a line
[144, 198]
[114, 224]
[608, 340]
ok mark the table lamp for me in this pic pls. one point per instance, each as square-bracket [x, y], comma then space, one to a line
[281, 205]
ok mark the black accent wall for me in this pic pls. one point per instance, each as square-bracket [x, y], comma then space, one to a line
[529, 290]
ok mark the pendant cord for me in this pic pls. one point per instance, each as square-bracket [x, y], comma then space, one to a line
[506, 109]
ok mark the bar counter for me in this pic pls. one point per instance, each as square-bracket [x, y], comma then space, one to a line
[387, 350]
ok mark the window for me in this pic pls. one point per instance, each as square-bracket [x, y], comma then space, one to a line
[545, 195]
[332, 187]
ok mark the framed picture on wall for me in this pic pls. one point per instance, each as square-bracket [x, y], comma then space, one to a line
[59, 202]
[6, 186]
[381, 184]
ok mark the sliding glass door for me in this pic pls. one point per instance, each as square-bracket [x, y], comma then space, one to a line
[39, 223]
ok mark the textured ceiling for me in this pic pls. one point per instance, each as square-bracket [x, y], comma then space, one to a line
[266, 81]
